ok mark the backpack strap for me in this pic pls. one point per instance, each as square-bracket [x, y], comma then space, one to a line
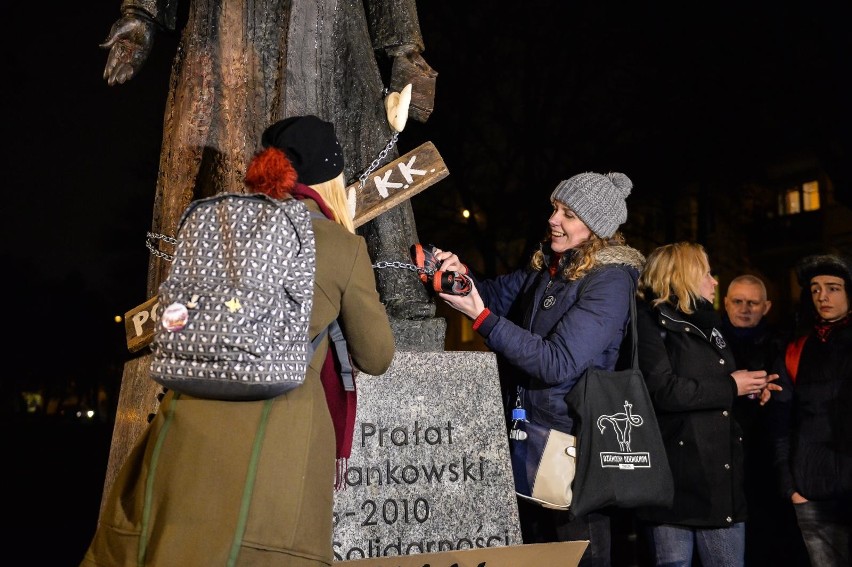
[248, 488]
[335, 335]
[792, 355]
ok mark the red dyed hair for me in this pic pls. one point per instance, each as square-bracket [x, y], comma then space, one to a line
[271, 173]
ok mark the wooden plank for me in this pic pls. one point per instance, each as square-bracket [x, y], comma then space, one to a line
[398, 181]
[387, 187]
[565, 553]
[139, 324]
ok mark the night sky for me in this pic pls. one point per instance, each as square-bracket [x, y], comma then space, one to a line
[525, 98]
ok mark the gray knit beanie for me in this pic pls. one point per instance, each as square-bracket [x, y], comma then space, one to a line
[598, 200]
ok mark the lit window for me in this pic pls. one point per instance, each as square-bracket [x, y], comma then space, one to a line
[810, 195]
[791, 201]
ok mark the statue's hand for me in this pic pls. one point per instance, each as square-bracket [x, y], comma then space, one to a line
[423, 68]
[410, 67]
[129, 43]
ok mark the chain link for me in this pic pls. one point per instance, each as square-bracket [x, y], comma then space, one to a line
[376, 162]
[402, 265]
[151, 236]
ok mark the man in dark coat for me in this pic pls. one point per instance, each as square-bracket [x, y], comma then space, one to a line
[772, 536]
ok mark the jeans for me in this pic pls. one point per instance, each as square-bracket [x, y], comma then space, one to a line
[543, 525]
[673, 546]
[826, 527]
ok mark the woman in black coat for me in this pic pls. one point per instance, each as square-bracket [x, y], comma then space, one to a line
[693, 381]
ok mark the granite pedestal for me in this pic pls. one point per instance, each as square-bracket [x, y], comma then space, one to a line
[430, 468]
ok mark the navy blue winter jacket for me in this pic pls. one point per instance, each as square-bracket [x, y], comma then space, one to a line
[548, 331]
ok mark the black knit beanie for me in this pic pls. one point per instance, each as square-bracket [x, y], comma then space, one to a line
[824, 265]
[311, 146]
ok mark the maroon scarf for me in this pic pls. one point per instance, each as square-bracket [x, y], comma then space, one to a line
[341, 403]
[823, 328]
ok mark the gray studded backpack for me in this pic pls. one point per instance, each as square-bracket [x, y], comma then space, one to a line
[237, 301]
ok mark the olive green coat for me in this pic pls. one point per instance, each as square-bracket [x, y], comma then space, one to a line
[200, 451]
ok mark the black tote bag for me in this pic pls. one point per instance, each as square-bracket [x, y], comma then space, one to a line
[621, 459]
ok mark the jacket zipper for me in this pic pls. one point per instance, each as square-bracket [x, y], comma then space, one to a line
[691, 325]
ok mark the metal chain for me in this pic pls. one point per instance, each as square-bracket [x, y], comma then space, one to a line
[382, 154]
[376, 162]
[149, 236]
[402, 265]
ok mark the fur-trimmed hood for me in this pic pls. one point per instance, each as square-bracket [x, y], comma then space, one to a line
[621, 254]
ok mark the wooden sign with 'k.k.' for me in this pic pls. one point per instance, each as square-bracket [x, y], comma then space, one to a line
[387, 187]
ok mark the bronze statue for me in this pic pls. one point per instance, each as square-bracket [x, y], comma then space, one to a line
[243, 65]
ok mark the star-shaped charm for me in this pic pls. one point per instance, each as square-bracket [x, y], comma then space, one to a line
[234, 305]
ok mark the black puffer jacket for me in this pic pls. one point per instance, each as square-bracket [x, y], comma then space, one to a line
[688, 372]
[812, 420]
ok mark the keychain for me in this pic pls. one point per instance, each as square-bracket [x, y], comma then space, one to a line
[519, 414]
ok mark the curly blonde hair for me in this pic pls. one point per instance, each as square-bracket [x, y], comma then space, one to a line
[673, 274]
[583, 261]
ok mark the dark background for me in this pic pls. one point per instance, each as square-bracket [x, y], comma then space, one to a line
[668, 94]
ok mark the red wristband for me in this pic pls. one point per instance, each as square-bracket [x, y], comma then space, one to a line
[480, 318]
